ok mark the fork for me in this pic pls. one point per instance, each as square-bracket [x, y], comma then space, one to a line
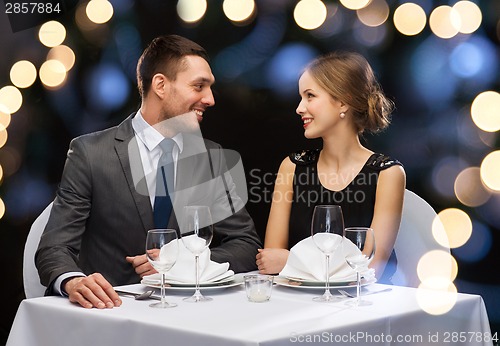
[349, 295]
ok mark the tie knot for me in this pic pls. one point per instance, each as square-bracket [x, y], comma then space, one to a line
[167, 145]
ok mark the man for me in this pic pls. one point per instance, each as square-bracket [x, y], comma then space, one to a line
[96, 232]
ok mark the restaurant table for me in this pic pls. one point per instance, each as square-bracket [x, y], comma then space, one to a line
[290, 317]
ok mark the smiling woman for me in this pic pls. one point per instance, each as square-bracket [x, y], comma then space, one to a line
[340, 99]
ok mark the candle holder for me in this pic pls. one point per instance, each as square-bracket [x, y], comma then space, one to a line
[259, 287]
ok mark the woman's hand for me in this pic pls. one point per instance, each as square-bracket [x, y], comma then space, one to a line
[271, 261]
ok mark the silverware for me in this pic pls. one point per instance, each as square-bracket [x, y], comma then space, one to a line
[349, 295]
[139, 296]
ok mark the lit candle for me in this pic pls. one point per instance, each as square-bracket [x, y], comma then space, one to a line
[259, 293]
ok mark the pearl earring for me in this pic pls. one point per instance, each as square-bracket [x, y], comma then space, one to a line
[342, 115]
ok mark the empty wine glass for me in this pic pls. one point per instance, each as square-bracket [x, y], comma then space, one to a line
[197, 233]
[162, 250]
[364, 239]
[327, 227]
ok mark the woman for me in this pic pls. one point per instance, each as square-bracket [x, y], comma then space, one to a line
[340, 99]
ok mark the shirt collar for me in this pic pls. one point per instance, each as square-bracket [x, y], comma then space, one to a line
[149, 135]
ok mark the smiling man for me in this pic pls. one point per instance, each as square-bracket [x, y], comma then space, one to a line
[95, 236]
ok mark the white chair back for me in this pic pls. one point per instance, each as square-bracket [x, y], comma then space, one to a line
[32, 286]
[414, 239]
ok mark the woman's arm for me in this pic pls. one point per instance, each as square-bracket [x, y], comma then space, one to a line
[387, 214]
[273, 257]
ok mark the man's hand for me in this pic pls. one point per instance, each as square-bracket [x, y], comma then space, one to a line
[92, 291]
[271, 261]
[141, 265]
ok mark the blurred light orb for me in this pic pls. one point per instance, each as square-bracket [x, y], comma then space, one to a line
[11, 99]
[354, 4]
[457, 225]
[23, 74]
[409, 19]
[466, 60]
[3, 137]
[436, 296]
[437, 264]
[53, 74]
[445, 22]
[478, 246]
[99, 11]
[490, 168]
[285, 68]
[108, 87]
[1, 173]
[4, 117]
[2, 208]
[191, 11]
[469, 188]
[238, 10]
[310, 14]
[64, 54]
[470, 15]
[52, 33]
[375, 14]
[475, 58]
[485, 111]
[431, 72]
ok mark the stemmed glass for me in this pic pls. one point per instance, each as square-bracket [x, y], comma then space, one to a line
[162, 250]
[327, 227]
[364, 239]
[197, 232]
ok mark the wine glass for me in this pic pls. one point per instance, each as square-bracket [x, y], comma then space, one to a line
[364, 239]
[327, 229]
[197, 233]
[162, 250]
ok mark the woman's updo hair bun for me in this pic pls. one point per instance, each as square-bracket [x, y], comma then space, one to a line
[349, 78]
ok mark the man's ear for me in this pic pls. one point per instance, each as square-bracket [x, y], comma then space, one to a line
[159, 84]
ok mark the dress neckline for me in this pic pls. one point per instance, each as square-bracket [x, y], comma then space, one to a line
[350, 183]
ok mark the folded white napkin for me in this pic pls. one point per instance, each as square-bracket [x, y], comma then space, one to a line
[307, 262]
[184, 270]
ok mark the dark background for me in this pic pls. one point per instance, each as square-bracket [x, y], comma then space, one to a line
[256, 67]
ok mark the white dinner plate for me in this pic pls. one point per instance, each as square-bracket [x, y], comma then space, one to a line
[305, 284]
[225, 283]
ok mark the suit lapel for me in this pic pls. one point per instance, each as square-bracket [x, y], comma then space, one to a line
[130, 160]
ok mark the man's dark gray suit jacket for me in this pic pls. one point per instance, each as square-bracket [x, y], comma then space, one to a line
[101, 214]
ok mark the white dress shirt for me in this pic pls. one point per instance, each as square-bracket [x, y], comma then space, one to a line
[148, 141]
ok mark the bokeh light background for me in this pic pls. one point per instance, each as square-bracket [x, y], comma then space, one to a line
[438, 60]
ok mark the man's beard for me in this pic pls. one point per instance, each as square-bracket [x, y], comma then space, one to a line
[174, 124]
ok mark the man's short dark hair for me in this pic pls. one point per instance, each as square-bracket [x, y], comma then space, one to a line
[165, 54]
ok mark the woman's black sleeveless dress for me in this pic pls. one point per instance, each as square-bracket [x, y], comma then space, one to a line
[357, 199]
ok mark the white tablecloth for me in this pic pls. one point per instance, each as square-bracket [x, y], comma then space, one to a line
[291, 317]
